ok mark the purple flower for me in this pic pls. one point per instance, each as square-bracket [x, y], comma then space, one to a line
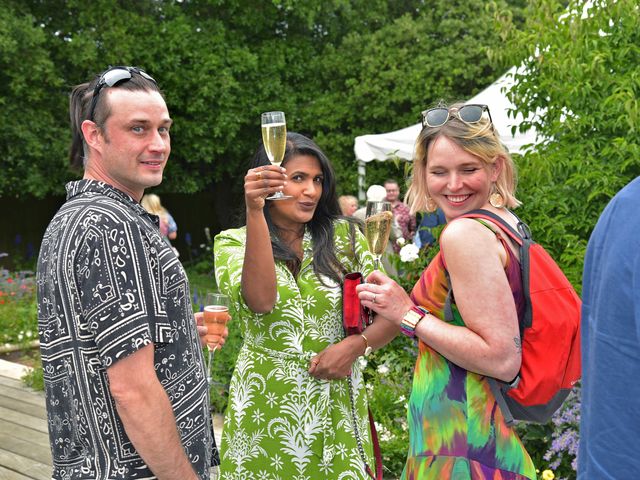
[563, 451]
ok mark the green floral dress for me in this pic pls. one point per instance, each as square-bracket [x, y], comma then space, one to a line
[281, 423]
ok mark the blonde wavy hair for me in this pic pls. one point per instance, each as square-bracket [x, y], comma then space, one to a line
[479, 139]
[151, 203]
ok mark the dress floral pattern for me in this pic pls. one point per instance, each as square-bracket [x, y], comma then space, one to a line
[282, 423]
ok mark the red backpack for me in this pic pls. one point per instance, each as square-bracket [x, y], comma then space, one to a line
[549, 332]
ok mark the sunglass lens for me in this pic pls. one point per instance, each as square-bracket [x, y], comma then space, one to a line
[470, 113]
[436, 117]
[112, 77]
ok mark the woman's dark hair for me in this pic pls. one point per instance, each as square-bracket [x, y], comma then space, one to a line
[325, 260]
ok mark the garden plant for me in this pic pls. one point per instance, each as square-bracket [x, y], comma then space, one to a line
[339, 69]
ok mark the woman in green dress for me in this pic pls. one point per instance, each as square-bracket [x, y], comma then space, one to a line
[290, 415]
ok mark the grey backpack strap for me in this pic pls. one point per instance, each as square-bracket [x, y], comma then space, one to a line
[502, 403]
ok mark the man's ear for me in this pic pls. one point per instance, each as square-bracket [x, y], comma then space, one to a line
[92, 134]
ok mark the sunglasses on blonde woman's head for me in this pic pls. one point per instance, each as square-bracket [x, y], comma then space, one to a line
[438, 116]
[112, 77]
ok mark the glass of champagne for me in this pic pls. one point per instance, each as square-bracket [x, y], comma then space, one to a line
[216, 316]
[274, 137]
[377, 227]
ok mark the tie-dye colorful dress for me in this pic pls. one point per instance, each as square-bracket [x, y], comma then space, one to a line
[456, 429]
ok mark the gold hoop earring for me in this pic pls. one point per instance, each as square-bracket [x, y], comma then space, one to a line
[431, 205]
[496, 199]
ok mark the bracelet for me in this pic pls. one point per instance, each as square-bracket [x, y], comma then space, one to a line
[411, 319]
[367, 348]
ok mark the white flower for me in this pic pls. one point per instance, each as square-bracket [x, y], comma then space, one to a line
[258, 416]
[409, 253]
[383, 369]
[403, 424]
[384, 433]
[271, 399]
[400, 241]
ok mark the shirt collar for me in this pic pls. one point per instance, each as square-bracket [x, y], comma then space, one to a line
[95, 187]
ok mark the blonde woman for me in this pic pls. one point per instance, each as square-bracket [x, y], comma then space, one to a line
[348, 204]
[168, 228]
[456, 429]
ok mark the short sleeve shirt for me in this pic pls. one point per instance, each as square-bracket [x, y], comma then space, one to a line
[610, 342]
[108, 285]
[172, 226]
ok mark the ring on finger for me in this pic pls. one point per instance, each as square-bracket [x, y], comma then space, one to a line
[373, 300]
[259, 175]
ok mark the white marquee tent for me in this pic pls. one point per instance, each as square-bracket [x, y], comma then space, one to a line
[400, 143]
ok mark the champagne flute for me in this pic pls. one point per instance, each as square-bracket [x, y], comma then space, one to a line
[274, 137]
[377, 227]
[216, 315]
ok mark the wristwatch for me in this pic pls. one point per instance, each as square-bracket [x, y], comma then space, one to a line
[367, 348]
[411, 319]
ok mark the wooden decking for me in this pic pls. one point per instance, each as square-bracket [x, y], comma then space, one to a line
[24, 441]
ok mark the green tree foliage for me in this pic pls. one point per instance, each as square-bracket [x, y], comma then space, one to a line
[338, 68]
[32, 109]
[580, 74]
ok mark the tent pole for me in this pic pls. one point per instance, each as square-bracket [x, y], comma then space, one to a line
[362, 170]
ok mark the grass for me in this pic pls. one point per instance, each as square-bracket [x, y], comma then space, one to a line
[34, 378]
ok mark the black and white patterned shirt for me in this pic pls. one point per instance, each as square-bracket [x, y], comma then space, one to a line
[108, 285]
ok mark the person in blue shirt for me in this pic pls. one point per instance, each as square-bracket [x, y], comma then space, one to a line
[610, 406]
[424, 236]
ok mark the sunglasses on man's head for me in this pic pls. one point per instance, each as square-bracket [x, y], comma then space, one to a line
[438, 116]
[113, 76]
